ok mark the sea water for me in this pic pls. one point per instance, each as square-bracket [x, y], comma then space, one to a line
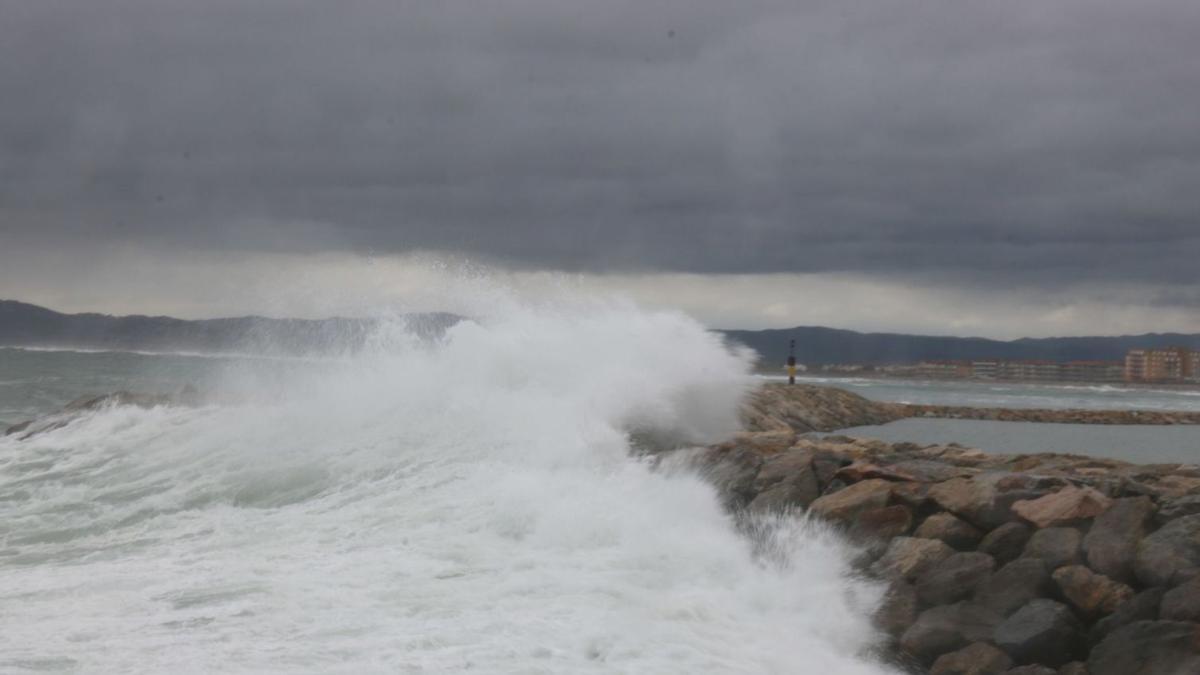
[472, 504]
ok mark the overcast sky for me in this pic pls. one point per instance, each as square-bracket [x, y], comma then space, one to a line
[1026, 167]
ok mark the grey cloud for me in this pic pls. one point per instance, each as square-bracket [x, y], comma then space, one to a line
[991, 143]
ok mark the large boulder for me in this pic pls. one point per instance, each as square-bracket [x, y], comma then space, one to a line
[945, 628]
[785, 481]
[946, 527]
[1177, 507]
[845, 505]
[1043, 631]
[977, 658]
[1148, 648]
[898, 610]
[1111, 544]
[1057, 546]
[1171, 555]
[1141, 607]
[1092, 594]
[955, 578]
[1014, 585]
[984, 500]
[883, 523]
[1182, 603]
[909, 557]
[1069, 505]
[1005, 543]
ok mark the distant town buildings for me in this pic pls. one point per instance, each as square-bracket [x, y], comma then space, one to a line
[1170, 364]
[1179, 365]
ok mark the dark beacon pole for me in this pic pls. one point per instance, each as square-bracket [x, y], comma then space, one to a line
[792, 362]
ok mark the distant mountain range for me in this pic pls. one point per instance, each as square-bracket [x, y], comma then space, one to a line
[26, 325]
[23, 324]
[817, 345]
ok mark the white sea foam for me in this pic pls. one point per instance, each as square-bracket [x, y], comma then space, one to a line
[472, 504]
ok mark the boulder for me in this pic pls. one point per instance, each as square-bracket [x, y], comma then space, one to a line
[884, 523]
[986, 500]
[943, 629]
[785, 481]
[908, 557]
[1073, 668]
[955, 578]
[1111, 544]
[732, 473]
[1068, 505]
[1005, 543]
[898, 610]
[1043, 631]
[1141, 607]
[1031, 669]
[1148, 648]
[1182, 603]
[977, 658]
[845, 505]
[1014, 585]
[1170, 555]
[1092, 594]
[946, 527]
[1057, 546]
[1177, 507]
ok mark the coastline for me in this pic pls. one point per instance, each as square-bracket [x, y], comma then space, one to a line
[1023, 563]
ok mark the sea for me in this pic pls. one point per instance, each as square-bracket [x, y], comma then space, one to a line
[474, 503]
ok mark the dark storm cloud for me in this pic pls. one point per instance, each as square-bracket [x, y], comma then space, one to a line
[999, 143]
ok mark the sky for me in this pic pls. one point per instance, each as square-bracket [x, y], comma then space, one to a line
[937, 166]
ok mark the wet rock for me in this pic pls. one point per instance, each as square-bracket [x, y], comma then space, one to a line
[898, 610]
[1111, 544]
[985, 500]
[732, 473]
[1043, 631]
[845, 505]
[884, 523]
[764, 443]
[1182, 603]
[943, 629]
[908, 557]
[1057, 546]
[957, 533]
[785, 481]
[1177, 507]
[1007, 542]
[1148, 648]
[1031, 669]
[1092, 594]
[955, 578]
[1170, 555]
[1068, 505]
[1141, 607]
[977, 658]
[1014, 585]
[1073, 668]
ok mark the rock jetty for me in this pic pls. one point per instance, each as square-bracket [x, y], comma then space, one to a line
[1045, 563]
[811, 408]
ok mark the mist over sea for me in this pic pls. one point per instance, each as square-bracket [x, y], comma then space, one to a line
[472, 504]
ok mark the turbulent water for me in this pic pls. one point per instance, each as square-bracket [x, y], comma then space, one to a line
[473, 504]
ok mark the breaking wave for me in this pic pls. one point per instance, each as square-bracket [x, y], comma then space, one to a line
[468, 504]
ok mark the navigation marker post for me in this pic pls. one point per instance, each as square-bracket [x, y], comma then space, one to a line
[791, 364]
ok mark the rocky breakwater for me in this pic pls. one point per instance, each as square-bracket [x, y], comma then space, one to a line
[997, 564]
[802, 408]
